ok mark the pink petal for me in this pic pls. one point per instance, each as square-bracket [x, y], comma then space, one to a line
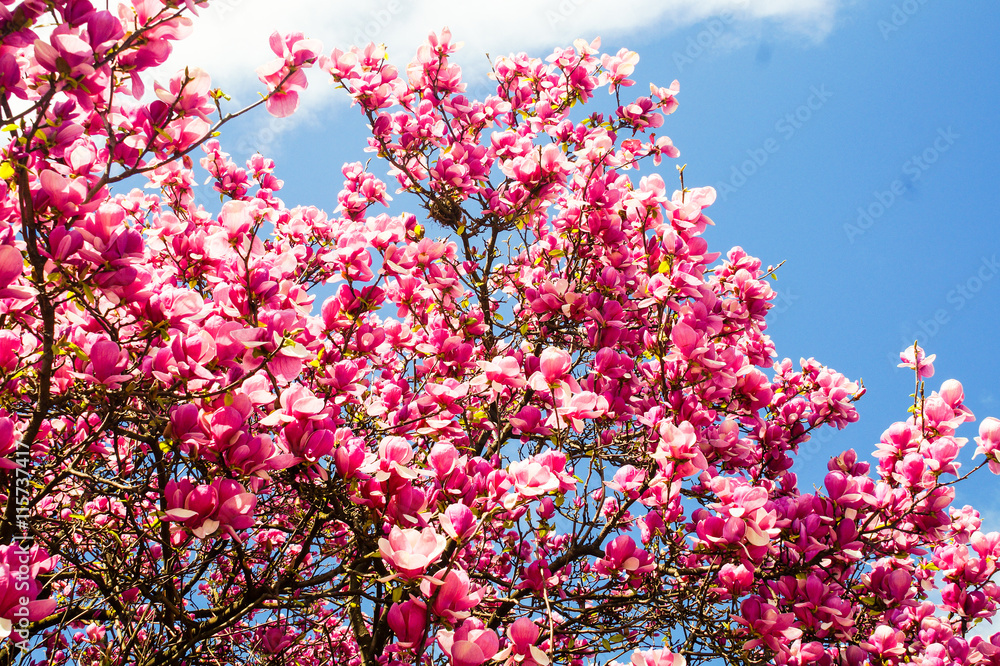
[282, 104]
[11, 265]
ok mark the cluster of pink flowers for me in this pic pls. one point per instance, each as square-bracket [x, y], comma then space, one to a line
[538, 423]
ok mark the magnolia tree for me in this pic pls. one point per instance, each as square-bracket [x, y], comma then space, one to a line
[537, 422]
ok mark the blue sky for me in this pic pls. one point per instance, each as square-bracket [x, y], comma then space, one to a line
[856, 141]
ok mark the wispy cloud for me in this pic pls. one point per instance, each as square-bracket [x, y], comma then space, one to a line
[230, 39]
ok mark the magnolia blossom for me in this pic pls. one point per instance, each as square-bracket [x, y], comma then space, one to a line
[522, 647]
[657, 658]
[206, 508]
[471, 644]
[410, 551]
[212, 458]
[11, 268]
[8, 443]
[678, 446]
[622, 555]
[457, 521]
[539, 475]
[408, 620]
[914, 358]
[989, 442]
[107, 361]
[452, 593]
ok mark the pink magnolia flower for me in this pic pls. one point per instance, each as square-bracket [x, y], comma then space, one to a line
[443, 459]
[766, 625]
[627, 480]
[583, 405]
[275, 638]
[67, 51]
[408, 620]
[622, 555]
[689, 342]
[351, 455]
[411, 551]
[307, 443]
[679, 445]
[297, 403]
[295, 48]
[107, 361]
[11, 268]
[227, 425]
[257, 456]
[537, 576]
[553, 369]
[989, 442]
[451, 594]
[205, 509]
[500, 372]
[458, 522]
[618, 68]
[735, 580]
[914, 358]
[885, 642]
[529, 421]
[953, 394]
[657, 658]
[10, 75]
[284, 75]
[394, 457]
[538, 475]
[890, 584]
[66, 194]
[531, 478]
[188, 92]
[470, 645]
[719, 531]
[9, 439]
[523, 647]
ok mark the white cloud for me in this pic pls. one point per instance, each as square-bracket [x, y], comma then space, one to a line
[230, 37]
